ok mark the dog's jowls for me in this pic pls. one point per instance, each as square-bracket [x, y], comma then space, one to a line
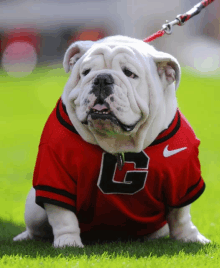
[120, 99]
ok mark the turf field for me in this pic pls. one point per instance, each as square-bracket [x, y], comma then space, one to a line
[25, 104]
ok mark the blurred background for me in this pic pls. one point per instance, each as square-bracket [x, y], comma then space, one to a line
[39, 31]
[34, 35]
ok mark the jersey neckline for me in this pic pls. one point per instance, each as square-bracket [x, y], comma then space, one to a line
[172, 129]
[163, 136]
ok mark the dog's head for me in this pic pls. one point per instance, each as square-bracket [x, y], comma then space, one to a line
[121, 92]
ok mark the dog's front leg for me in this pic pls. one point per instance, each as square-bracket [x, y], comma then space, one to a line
[182, 228]
[65, 226]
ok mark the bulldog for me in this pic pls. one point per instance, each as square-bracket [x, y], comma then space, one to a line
[116, 155]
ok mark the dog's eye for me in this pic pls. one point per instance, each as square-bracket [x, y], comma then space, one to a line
[86, 72]
[129, 74]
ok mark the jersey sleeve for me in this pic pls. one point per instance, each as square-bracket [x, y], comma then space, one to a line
[52, 182]
[184, 183]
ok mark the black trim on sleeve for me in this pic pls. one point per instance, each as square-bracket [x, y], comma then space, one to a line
[41, 200]
[62, 121]
[188, 202]
[56, 191]
[171, 134]
[190, 189]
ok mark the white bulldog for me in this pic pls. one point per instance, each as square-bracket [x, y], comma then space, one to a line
[118, 109]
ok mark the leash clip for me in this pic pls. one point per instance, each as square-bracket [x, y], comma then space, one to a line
[168, 27]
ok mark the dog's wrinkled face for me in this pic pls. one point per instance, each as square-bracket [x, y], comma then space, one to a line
[108, 81]
[114, 91]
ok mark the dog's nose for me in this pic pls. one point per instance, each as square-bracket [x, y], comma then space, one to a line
[103, 80]
[102, 87]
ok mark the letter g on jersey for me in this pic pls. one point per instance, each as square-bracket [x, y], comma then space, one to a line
[134, 180]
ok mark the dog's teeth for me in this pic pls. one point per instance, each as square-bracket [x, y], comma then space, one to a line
[100, 112]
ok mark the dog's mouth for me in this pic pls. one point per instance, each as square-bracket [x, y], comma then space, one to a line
[102, 112]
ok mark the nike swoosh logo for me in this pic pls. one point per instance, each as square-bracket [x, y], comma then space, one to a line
[167, 153]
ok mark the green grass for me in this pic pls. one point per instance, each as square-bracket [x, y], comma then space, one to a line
[25, 104]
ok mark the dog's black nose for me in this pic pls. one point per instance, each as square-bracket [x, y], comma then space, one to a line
[103, 80]
[103, 87]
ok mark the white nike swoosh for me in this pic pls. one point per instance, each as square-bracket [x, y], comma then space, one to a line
[167, 153]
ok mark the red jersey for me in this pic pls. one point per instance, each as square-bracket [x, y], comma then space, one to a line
[83, 178]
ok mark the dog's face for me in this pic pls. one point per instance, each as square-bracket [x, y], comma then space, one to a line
[120, 94]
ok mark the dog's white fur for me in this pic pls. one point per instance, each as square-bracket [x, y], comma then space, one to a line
[66, 227]
[150, 98]
[156, 103]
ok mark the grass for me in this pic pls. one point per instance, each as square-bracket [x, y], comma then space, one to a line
[25, 104]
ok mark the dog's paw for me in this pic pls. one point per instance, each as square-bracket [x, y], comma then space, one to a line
[23, 236]
[199, 238]
[191, 235]
[68, 240]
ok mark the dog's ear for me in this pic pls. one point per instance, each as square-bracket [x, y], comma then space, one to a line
[168, 68]
[75, 52]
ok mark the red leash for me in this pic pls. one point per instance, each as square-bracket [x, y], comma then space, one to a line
[180, 20]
